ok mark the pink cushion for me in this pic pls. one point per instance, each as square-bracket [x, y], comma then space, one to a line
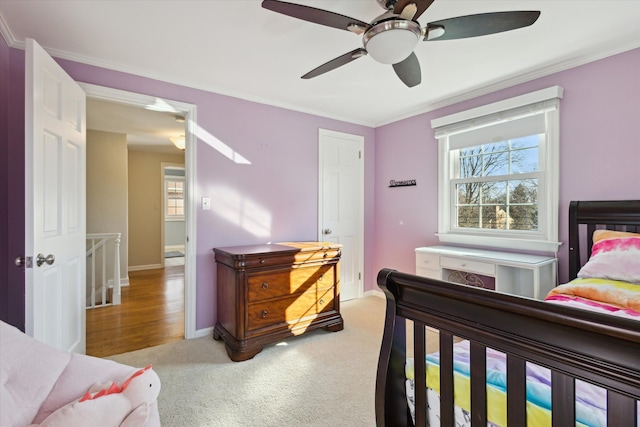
[615, 256]
[36, 379]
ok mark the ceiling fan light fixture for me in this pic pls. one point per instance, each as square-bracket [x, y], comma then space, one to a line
[392, 41]
[178, 141]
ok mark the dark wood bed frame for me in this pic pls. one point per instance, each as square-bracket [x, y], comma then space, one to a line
[573, 343]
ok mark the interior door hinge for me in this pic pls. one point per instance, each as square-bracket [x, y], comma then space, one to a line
[359, 276]
[359, 154]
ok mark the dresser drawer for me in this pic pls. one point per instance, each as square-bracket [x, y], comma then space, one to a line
[280, 283]
[318, 255]
[291, 258]
[290, 310]
[428, 261]
[266, 260]
[470, 266]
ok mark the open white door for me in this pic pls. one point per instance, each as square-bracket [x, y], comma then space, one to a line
[341, 204]
[55, 223]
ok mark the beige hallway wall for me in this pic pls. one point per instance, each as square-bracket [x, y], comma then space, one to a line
[145, 207]
[107, 189]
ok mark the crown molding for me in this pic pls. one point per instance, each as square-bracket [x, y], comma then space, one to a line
[218, 90]
[521, 78]
[7, 35]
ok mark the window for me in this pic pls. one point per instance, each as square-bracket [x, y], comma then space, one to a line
[174, 197]
[498, 173]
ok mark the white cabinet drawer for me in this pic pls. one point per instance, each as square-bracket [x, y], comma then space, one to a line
[432, 274]
[429, 261]
[466, 265]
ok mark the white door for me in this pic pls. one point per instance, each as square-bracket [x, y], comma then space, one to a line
[341, 205]
[55, 172]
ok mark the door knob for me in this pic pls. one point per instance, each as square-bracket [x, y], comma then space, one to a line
[327, 231]
[50, 259]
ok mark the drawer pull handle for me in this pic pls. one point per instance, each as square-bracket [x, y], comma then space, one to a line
[265, 286]
[321, 276]
[264, 313]
[321, 302]
[262, 261]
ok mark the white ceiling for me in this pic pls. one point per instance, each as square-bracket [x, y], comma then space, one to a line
[238, 48]
[146, 130]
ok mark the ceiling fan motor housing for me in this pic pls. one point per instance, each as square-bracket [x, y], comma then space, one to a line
[391, 41]
[387, 4]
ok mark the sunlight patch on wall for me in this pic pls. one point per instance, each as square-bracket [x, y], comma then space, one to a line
[243, 212]
[161, 105]
[221, 147]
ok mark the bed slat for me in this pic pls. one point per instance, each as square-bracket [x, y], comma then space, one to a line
[447, 415]
[563, 398]
[621, 410]
[517, 396]
[478, 362]
[420, 373]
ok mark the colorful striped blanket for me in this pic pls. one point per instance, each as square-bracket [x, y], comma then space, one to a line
[590, 400]
[608, 296]
[604, 295]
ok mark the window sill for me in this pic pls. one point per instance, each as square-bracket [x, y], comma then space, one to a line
[174, 219]
[500, 242]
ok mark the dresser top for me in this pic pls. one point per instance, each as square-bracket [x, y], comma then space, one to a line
[490, 255]
[273, 248]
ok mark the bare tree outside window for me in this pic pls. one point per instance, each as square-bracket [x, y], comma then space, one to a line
[495, 187]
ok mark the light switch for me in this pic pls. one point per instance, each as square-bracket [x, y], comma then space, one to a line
[206, 203]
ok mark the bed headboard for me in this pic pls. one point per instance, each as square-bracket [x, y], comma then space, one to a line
[622, 215]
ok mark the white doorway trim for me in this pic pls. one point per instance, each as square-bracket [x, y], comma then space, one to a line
[189, 111]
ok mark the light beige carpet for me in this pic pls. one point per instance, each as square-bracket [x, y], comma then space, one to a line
[319, 379]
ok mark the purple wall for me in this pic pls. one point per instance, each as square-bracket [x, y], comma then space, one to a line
[11, 183]
[4, 181]
[274, 198]
[599, 152]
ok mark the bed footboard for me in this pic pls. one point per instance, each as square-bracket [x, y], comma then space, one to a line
[572, 343]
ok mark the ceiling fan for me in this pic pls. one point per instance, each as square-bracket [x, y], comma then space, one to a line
[391, 37]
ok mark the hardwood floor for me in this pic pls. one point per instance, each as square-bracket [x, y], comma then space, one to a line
[151, 313]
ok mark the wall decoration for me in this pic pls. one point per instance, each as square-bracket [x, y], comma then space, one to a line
[405, 183]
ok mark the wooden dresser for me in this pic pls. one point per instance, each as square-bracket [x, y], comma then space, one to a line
[273, 291]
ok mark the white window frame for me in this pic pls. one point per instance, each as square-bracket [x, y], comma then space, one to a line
[174, 178]
[545, 101]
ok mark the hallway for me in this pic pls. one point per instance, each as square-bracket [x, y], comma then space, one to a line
[151, 313]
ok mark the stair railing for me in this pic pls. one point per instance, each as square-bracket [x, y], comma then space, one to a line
[98, 249]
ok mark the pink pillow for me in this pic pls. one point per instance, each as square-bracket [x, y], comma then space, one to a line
[615, 257]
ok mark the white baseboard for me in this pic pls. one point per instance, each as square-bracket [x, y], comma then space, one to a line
[123, 282]
[144, 267]
[204, 332]
[375, 293]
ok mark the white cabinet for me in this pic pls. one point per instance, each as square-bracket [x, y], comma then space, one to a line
[520, 274]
